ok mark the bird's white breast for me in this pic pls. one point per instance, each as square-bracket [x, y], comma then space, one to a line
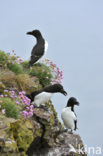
[42, 98]
[46, 46]
[68, 118]
[45, 49]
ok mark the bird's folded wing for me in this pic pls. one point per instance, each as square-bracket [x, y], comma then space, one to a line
[34, 59]
[73, 116]
[37, 50]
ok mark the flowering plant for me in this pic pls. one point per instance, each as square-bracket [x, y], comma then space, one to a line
[15, 63]
[57, 74]
[47, 72]
[14, 59]
[21, 100]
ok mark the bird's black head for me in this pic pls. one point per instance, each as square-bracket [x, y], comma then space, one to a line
[35, 33]
[72, 101]
[56, 88]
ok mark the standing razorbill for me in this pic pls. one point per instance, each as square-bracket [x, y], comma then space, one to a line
[42, 96]
[39, 49]
[68, 115]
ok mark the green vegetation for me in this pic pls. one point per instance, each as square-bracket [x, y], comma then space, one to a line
[39, 70]
[25, 64]
[11, 109]
[16, 68]
[43, 73]
[12, 63]
[3, 59]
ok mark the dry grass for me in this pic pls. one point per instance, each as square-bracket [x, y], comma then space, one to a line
[26, 83]
[8, 78]
[21, 82]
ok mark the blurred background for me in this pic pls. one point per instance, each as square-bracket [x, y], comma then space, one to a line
[74, 31]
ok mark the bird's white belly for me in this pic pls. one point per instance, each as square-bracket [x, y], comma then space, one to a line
[45, 50]
[68, 119]
[46, 46]
[42, 98]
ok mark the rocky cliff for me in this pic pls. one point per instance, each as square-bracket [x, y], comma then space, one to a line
[26, 131]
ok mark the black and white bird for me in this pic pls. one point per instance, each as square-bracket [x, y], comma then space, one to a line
[68, 115]
[42, 96]
[39, 49]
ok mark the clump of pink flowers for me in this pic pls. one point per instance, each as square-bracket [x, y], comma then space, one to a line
[14, 59]
[26, 101]
[55, 71]
[21, 99]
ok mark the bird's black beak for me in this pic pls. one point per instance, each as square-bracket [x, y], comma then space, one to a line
[29, 33]
[77, 103]
[63, 92]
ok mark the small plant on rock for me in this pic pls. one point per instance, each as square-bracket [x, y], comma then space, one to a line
[14, 63]
[13, 105]
[8, 107]
[3, 59]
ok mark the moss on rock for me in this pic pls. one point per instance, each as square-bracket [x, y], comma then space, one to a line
[22, 134]
[2, 87]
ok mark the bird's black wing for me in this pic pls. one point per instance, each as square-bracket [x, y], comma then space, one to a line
[36, 54]
[75, 122]
[33, 59]
[33, 94]
[38, 50]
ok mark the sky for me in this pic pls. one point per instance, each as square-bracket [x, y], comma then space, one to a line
[74, 31]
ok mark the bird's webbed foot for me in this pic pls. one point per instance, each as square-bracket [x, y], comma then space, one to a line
[44, 107]
[70, 132]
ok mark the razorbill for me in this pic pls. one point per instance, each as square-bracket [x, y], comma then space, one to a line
[39, 49]
[68, 115]
[42, 96]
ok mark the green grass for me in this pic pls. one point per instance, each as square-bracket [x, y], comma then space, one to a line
[11, 108]
[42, 72]
[16, 68]
[25, 64]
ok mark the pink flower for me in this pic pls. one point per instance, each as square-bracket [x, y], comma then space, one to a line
[25, 114]
[17, 102]
[23, 92]
[0, 101]
[1, 96]
[6, 95]
[20, 60]
[16, 61]
[30, 113]
[6, 90]
[31, 106]
[3, 111]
